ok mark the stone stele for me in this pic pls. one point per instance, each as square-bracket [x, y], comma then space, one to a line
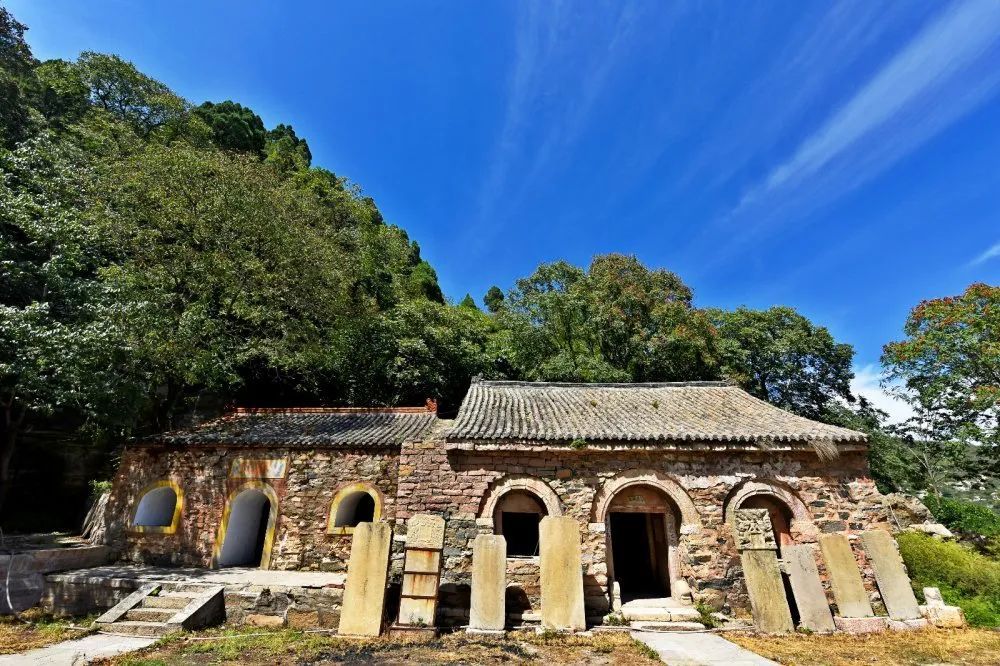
[421, 570]
[845, 578]
[810, 599]
[489, 583]
[367, 571]
[890, 574]
[758, 555]
[561, 574]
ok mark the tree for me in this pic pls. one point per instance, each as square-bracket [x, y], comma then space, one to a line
[234, 126]
[286, 151]
[949, 366]
[16, 64]
[142, 102]
[619, 321]
[780, 356]
[62, 95]
[468, 302]
[493, 299]
[58, 347]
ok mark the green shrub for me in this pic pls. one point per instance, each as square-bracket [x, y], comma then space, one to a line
[963, 516]
[966, 578]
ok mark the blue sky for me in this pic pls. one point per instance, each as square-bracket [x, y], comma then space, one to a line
[841, 158]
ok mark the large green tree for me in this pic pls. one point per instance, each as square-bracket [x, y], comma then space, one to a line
[780, 356]
[618, 321]
[949, 367]
[234, 126]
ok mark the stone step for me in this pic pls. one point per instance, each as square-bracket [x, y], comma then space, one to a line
[139, 628]
[660, 614]
[175, 601]
[150, 614]
[668, 626]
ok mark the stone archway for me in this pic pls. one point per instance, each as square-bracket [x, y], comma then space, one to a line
[246, 533]
[790, 516]
[529, 484]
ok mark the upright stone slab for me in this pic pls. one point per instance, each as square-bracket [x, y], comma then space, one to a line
[561, 574]
[810, 599]
[759, 557]
[845, 578]
[367, 572]
[421, 573]
[890, 575]
[488, 611]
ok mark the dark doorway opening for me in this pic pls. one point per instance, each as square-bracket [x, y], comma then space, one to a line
[521, 532]
[639, 552]
[246, 533]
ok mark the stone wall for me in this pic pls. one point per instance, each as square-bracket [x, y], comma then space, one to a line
[824, 496]
[304, 495]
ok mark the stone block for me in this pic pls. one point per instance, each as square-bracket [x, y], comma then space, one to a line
[861, 625]
[561, 574]
[945, 617]
[810, 599]
[932, 596]
[489, 583]
[367, 573]
[845, 578]
[270, 621]
[890, 575]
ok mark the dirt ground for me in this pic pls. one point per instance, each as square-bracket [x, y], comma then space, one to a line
[34, 629]
[971, 647]
[245, 647]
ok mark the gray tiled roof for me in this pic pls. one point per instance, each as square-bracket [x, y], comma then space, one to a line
[689, 411]
[309, 428]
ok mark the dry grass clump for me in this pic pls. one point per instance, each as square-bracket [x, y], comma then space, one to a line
[968, 647]
[35, 628]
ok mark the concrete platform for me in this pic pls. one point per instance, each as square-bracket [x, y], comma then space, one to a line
[78, 651]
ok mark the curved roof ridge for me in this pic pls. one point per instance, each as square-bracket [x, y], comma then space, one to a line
[724, 383]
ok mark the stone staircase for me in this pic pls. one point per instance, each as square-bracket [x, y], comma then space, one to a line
[157, 609]
[661, 614]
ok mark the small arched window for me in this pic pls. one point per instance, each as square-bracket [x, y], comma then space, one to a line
[352, 505]
[516, 517]
[159, 509]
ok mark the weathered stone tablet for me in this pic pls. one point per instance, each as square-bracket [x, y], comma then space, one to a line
[561, 574]
[425, 531]
[890, 574]
[489, 583]
[367, 572]
[421, 571]
[845, 578]
[810, 599]
[759, 557]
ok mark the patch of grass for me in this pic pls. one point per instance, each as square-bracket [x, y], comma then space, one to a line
[646, 651]
[966, 578]
[35, 628]
[705, 616]
[245, 645]
[965, 647]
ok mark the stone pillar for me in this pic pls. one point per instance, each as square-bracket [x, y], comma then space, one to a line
[759, 556]
[810, 599]
[367, 573]
[488, 611]
[845, 578]
[890, 575]
[561, 574]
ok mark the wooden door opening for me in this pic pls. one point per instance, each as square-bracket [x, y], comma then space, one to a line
[641, 555]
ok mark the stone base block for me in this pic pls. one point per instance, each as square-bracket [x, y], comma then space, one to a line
[668, 626]
[861, 625]
[908, 625]
[944, 617]
[485, 632]
[412, 634]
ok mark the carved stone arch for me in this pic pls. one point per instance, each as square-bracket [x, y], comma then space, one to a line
[523, 483]
[644, 477]
[770, 488]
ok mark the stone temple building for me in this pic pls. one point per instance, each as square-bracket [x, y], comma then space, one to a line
[653, 474]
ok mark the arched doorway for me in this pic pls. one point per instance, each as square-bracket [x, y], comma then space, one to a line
[516, 517]
[641, 523]
[247, 529]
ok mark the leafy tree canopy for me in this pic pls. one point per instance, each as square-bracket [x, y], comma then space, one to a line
[234, 126]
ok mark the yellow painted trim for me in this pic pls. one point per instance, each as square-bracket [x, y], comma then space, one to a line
[175, 521]
[350, 489]
[272, 521]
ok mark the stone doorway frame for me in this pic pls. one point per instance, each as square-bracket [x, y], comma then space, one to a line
[272, 522]
[679, 506]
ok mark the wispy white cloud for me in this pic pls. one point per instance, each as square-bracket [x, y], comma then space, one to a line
[959, 37]
[866, 384]
[986, 255]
